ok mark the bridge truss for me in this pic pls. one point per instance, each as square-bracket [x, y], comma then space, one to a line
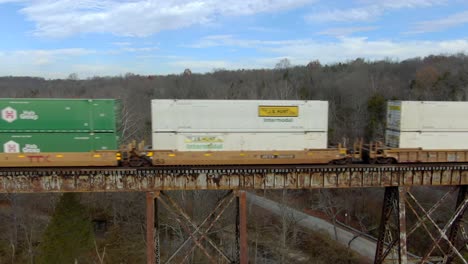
[393, 233]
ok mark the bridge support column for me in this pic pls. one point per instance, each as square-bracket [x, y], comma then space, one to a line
[391, 244]
[393, 205]
[241, 228]
[152, 228]
[462, 199]
[402, 250]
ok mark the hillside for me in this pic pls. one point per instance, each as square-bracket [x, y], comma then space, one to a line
[356, 90]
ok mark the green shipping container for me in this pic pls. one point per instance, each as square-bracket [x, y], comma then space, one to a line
[58, 115]
[57, 142]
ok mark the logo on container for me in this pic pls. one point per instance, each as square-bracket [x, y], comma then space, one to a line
[11, 147]
[203, 139]
[29, 115]
[9, 114]
[31, 148]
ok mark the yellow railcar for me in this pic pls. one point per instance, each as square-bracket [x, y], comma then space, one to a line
[60, 159]
[379, 153]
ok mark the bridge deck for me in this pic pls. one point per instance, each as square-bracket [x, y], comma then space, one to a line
[112, 179]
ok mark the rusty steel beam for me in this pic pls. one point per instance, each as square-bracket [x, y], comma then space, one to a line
[195, 232]
[216, 216]
[388, 207]
[237, 228]
[422, 222]
[242, 227]
[157, 249]
[210, 226]
[402, 252]
[462, 196]
[442, 232]
[222, 204]
[228, 178]
[150, 216]
[187, 230]
[422, 219]
[194, 225]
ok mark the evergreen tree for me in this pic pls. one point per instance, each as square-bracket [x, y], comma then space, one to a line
[376, 107]
[69, 236]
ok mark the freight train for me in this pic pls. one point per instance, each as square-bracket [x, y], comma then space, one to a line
[83, 133]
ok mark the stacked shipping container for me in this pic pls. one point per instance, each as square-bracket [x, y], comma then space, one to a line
[57, 125]
[427, 125]
[232, 125]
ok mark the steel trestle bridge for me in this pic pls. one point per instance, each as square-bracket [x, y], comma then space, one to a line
[157, 181]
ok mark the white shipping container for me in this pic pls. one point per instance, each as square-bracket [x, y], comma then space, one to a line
[427, 140]
[427, 116]
[239, 116]
[239, 141]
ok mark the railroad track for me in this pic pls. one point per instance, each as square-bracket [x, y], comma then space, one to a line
[73, 171]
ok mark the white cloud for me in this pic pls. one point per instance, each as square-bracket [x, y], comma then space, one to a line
[368, 10]
[10, 1]
[201, 65]
[122, 44]
[60, 63]
[345, 31]
[301, 52]
[264, 29]
[346, 48]
[230, 40]
[143, 49]
[353, 14]
[61, 18]
[351, 48]
[122, 47]
[440, 24]
[392, 4]
[55, 52]
[43, 57]
[44, 63]
[249, 7]
[98, 69]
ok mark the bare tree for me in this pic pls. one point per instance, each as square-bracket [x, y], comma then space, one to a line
[283, 64]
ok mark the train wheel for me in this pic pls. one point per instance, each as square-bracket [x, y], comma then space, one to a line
[136, 162]
[385, 161]
[341, 162]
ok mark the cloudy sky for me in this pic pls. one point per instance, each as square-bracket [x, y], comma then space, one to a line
[53, 38]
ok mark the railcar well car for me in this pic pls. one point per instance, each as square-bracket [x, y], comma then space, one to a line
[212, 132]
[58, 132]
[422, 131]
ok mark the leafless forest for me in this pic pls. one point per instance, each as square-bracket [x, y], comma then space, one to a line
[357, 92]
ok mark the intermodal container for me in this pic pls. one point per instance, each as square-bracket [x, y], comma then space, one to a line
[232, 116]
[427, 140]
[427, 116]
[56, 142]
[239, 141]
[58, 115]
